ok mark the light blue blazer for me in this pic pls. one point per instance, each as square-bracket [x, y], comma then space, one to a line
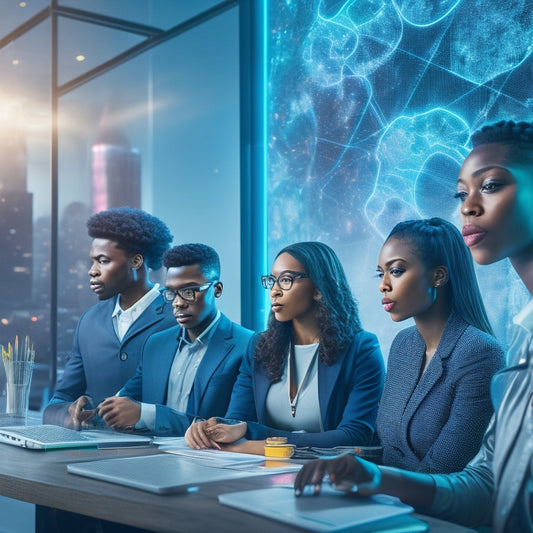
[496, 486]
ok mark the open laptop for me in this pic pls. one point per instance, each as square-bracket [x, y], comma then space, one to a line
[48, 437]
[161, 474]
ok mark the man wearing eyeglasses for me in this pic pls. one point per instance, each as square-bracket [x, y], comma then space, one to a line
[189, 370]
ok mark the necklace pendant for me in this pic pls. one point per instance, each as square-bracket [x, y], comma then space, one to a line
[293, 410]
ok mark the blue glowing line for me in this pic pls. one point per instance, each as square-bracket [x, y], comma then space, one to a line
[427, 62]
[354, 133]
[475, 84]
[433, 21]
[378, 113]
[495, 92]
[264, 142]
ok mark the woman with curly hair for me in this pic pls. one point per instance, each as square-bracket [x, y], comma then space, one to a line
[314, 376]
[110, 335]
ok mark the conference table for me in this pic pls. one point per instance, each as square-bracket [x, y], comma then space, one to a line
[41, 477]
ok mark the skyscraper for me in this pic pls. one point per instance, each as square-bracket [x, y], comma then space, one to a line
[15, 219]
[116, 170]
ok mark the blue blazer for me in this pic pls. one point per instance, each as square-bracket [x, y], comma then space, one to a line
[435, 422]
[212, 385]
[100, 363]
[349, 392]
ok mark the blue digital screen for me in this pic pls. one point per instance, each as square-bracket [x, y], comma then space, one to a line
[371, 104]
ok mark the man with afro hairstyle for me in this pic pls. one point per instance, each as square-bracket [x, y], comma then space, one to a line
[188, 370]
[109, 336]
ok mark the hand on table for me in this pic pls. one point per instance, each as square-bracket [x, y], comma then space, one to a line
[120, 412]
[211, 434]
[196, 436]
[226, 433]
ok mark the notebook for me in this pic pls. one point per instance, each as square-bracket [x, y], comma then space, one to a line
[161, 474]
[332, 511]
[49, 437]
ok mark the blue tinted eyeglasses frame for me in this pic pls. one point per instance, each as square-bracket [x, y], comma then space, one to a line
[187, 293]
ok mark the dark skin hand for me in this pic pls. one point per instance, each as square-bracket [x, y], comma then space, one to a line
[79, 414]
[197, 436]
[417, 490]
[211, 434]
[344, 472]
[120, 412]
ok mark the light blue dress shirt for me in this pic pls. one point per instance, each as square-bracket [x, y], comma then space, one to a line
[187, 359]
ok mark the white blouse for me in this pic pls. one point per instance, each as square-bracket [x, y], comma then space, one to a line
[278, 407]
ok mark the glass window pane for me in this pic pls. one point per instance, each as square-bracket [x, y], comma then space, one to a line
[162, 14]
[160, 132]
[83, 46]
[25, 236]
[16, 13]
[149, 133]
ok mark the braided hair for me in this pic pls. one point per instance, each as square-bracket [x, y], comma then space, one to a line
[518, 135]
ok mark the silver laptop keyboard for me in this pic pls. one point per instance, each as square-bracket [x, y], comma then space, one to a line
[47, 433]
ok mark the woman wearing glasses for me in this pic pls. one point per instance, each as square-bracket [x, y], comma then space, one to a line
[495, 188]
[314, 376]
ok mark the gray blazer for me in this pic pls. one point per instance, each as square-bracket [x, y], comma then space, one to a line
[435, 422]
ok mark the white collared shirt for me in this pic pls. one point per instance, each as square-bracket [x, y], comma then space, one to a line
[122, 320]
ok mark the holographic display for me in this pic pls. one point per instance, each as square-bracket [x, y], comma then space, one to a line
[371, 104]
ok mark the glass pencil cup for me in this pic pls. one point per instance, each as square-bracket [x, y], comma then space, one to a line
[16, 384]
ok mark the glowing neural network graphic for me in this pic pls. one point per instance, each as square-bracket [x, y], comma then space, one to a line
[371, 107]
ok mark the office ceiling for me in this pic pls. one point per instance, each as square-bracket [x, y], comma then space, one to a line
[25, 62]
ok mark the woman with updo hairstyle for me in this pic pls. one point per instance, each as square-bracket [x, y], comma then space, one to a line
[436, 403]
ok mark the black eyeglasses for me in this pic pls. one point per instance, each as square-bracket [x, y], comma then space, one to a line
[187, 293]
[284, 281]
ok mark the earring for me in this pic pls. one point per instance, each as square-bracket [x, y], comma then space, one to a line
[135, 276]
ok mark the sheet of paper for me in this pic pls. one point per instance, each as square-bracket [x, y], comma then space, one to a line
[222, 459]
